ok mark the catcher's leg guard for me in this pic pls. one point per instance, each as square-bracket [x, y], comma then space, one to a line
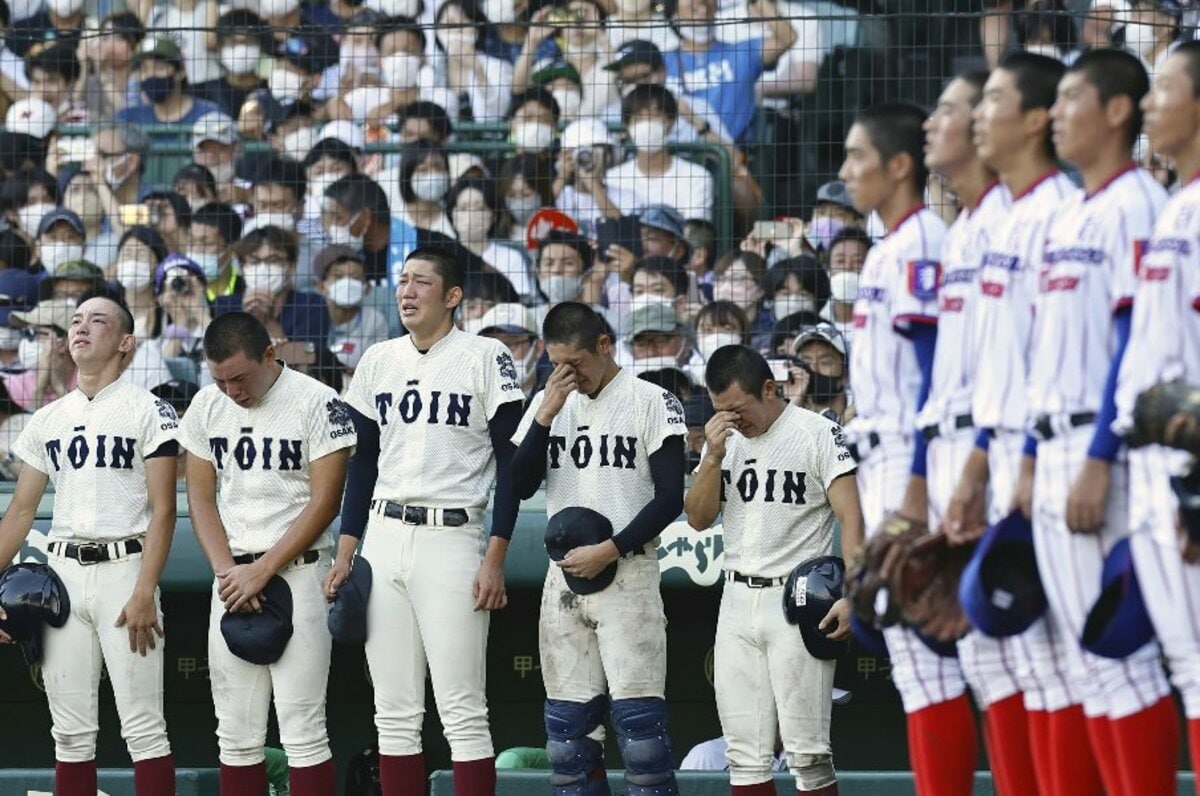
[641, 726]
[573, 756]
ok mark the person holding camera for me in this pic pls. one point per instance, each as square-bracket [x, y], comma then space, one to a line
[817, 377]
[580, 189]
[181, 291]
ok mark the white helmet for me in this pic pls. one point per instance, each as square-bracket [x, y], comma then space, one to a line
[587, 132]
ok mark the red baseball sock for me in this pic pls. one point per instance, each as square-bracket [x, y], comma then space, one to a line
[75, 779]
[1039, 745]
[1073, 771]
[1007, 730]
[1104, 752]
[475, 777]
[1148, 748]
[402, 775]
[155, 776]
[941, 748]
[761, 789]
[243, 780]
[1193, 730]
[315, 780]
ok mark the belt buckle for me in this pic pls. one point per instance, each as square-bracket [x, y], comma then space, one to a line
[413, 515]
[88, 554]
[1044, 428]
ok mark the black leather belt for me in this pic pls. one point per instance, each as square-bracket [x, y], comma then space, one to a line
[95, 552]
[872, 443]
[935, 431]
[1044, 425]
[309, 557]
[755, 582]
[419, 515]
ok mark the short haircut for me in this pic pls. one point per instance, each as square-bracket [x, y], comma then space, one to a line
[755, 265]
[976, 79]
[149, 237]
[737, 364]
[276, 237]
[1191, 51]
[724, 313]
[673, 380]
[115, 295]
[221, 216]
[1116, 73]
[897, 128]
[490, 286]
[1036, 78]
[179, 205]
[411, 158]
[390, 25]
[539, 94]
[37, 176]
[358, 192]
[126, 25]
[574, 324]
[201, 175]
[131, 137]
[574, 240]
[233, 332]
[56, 58]
[667, 267]
[333, 148]
[285, 172]
[649, 97]
[444, 263]
[850, 235]
[242, 22]
[536, 169]
[431, 112]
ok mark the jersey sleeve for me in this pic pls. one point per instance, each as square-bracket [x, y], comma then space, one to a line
[527, 419]
[663, 419]
[1130, 236]
[30, 447]
[359, 395]
[160, 425]
[500, 384]
[330, 425]
[192, 434]
[833, 457]
[917, 278]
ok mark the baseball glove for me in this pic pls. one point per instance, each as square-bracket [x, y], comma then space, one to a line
[1167, 414]
[925, 585]
[870, 585]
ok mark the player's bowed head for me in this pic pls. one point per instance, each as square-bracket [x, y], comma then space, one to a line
[744, 394]
[581, 349]
[241, 357]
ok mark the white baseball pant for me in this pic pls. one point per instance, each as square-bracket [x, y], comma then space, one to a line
[242, 691]
[1071, 565]
[74, 654]
[421, 613]
[922, 677]
[766, 681]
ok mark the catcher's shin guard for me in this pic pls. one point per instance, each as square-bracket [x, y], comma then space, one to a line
[641, 726]
[574, 756]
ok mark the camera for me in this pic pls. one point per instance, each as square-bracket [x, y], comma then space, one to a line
[585, 159]
[179, 284]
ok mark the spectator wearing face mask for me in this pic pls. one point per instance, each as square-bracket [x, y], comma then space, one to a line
[817, 379]
[719, 323]
[847, 253]
[832, 213]
[661, 230]
[353, 327]
[421, 188]
[580, 187]
[1153, 31]
[527, 185]
[328, 161]
[656, 339]
[195, 184]
[738, 279]
[796, 285]
[278, 198]
[481, 228]
[565, 272]
[513, 325]
[481, 83]
[242, 38]
[137, 256]
[34, 194]
[160, 66]
[215, 228]
[560, 77]
[21, 289]
[111, 85]
[59, 21]
[424, 121]
[297, 68]
[49, 372]
[81, 196]
[192, 24]
[120, 158]
[179, 289]
[640, 20]
[481, 292]
[60, 237]
[659, 280]
[403, 66]
[215, 147]
[533, 119]
[171, 215]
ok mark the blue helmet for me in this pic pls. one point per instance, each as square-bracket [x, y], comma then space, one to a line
[1001, 590]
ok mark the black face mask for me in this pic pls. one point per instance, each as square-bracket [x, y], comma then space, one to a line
[823, 390]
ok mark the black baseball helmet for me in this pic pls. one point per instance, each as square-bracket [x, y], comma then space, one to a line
[811, 590]
[32, 596]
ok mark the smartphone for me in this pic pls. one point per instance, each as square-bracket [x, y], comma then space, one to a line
[138, 215]
[779, 370]
[771, 230]
[75, 149]
[625, 231]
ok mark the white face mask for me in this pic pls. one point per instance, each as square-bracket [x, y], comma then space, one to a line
[342, 236]
[347, 292]
[500, 12]
[222, 172]
[285, 85]
[739, 293]
[654, 363]
[240, 59]
[472, 225]
[430, 186]
[28, 353]
[10, 339]
[211, 263]
[133, 275]
[649, 135]
[319, 183]
[522, 207]
[277, 8]
[110, 173]
[30, 216]
[568, 101]
[400, 70]
[24, 9]
[1048, 50]
[65, 8]
[297, 143]
[282, 220]
[696, 32]
[265, 279]
[710, 342]
[1141, 39]
[527, 366]
[55, 253]
[843, 286]
[559, 288]
[648, 300]
[392, 8]
[533, 136]
[784, 306]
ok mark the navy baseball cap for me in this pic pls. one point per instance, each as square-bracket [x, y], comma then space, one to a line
[176, 261]
[60, 214]
[573, 527]
[18, 291]
[311, 52]
[638, 51]
[260, 637]
[1118, 624]
[1001, 591]
[348, 616]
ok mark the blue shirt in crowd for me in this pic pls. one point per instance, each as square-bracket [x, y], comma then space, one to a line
[304, 316]
[144, 114]
[724, 76]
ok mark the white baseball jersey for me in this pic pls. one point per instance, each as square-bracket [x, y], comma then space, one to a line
[433, 411]
[956, 357]
[774, 506]
[1004, 315]
[1088, 270]
[262, 454]
[94, 451]
[599, 451]
[897, 288]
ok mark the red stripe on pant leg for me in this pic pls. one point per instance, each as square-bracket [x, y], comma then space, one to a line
[1007, 727]
[1104, 751]
[475, 777]
[244, 780]
[1148, 748]
[761, 789]
[75, 779]
[1073, 771]
[315, 780]
[941, 742]
[1039, 746]
[402, 775]
[154, 777]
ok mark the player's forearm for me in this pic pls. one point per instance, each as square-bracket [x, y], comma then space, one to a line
[703, 501]
[502, 427]
[667, 471]
[18, 519]
[160, 474]
[843, 498]
[362, 473]
[528, 463]
[1105, 442]
[327, 475]
[347, 546]
[206, 520]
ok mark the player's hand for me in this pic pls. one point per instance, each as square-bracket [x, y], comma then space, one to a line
[488, 589]
[561, 384]
[140, 618]
[334, 578]
[588, 560]
[1023, 492]
[836, 624]
[966, 514]
[4, 637]
[718, 429]
[1088, 498]
[240, 584]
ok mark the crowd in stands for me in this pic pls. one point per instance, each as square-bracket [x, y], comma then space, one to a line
[550, 144]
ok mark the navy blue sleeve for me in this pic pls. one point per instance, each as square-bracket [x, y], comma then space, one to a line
[361, 475]
[924, 340]
[1030, 447]
[1105, 442]
[501, 428]
[667, 465]
[983, 439]
[529, 462]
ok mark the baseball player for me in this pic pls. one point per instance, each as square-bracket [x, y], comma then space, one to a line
[1085, 288]
[109, 447]
[1012, 137]
[267, 452]
[774, 472]
[1164, 344]
[895, 320]
[606, 441]
[435, 412]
